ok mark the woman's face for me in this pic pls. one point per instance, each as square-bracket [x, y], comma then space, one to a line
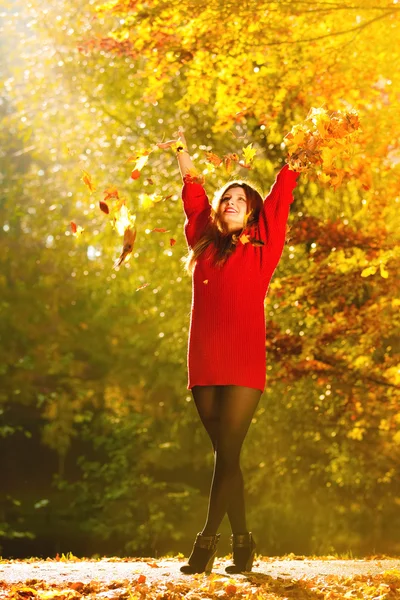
[233, 208]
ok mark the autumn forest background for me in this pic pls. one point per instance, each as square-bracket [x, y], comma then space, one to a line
[101, 447]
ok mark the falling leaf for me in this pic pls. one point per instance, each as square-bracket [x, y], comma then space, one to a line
[142, 286]
[135, 174]
[172, 242]
[205, 281]
[148, 200]
[159, 230]
[140, 159]
[123, 218]
[77, 230]
[104, 207]
[88, 181]
[150, 181]
[129, 240]
[154, 565]
[214, 159]
[244, 238]
[110, 192]
[248, 154]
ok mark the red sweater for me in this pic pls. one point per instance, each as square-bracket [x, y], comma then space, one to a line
[227, 325]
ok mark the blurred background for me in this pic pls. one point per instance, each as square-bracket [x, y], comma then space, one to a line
[101, 449]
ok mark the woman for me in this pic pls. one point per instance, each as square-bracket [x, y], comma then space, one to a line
[234, 248]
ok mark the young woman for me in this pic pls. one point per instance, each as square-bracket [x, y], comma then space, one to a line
[234, 248]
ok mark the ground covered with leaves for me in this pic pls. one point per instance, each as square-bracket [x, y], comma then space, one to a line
[70, 578]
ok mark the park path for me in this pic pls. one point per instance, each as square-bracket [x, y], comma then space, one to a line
[111, 570]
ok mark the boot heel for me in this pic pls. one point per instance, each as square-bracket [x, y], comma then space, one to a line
[209, 565]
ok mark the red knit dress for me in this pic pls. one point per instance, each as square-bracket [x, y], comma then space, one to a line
[227, 324]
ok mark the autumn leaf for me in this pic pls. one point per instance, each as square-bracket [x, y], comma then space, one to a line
[123, 218]
[140, 159]
[77, 230]
[144, 285]
[214, 159]
[110, 192]
[193, 176]
[245, 239]
[88, 181]
[104, 207]
[141, 579]
[129, 240]
[368, 271]
[172, 242]
[248, 154]
[159, 230]
[384, 273]
[135, 174]
[148, 200]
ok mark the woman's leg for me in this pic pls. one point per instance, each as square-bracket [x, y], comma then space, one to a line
[207, 401]
[236, 406]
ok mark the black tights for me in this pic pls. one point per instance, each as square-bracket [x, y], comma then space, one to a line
[226, 412]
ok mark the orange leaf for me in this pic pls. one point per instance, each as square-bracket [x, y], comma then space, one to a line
[205, 281]
[135, 174]
[213, 158]
[142, 287]
[231, 589]
[154, 565]
[172, 242]
[104, 207]
[88, 181]
[110, 192]
[76, 229]
[159, 230]
[141, 579]
[244, 238]
[129, 240]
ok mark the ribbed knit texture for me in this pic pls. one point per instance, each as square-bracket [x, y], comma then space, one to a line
[227, 325]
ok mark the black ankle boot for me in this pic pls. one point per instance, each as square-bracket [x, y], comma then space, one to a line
[203, 554]
[243, 548]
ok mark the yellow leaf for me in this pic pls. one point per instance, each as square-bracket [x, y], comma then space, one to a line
[368, 271]
[384, 273]
[248, 154]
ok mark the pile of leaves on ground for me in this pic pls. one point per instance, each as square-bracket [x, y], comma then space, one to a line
[257, 586]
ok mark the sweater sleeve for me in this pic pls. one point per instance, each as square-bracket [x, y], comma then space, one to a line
[275, 212]
[197, 210]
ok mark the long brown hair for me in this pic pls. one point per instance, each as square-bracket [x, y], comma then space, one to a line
[224, 242]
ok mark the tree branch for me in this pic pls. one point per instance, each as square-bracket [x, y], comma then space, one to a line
[358, 28]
